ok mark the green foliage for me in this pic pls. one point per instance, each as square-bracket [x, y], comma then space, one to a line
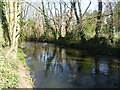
[22, 36]
[8, 74]
[72, 40]
[117, 16]
[89, 25]
[21, 55]
[9, 81]
[4, 24]
[1, 36]
[9, 77]
[31, 24]
[117, 42]
[23, 32]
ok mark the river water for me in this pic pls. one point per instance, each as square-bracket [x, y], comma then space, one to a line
[57, 67]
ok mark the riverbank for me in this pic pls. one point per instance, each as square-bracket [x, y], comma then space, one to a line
[14, 73]
[94, 45]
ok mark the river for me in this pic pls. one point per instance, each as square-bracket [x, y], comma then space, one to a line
[54, 66]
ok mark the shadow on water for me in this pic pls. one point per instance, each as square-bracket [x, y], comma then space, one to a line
[56, 67]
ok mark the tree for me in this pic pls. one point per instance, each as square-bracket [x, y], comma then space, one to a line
[4, 24]
[48, 25]
[99, 18]
[117, 16]
[111, 36]
[79, 17]
[11, 19]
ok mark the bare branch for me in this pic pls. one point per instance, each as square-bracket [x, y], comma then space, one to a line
[87, 8]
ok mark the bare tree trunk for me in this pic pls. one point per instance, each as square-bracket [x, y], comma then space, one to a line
[14, 25]
[48, 26]
[111, 36]
[18, 28]
[68, 22]
[11, 16]
[14, 28]
[79, 19]
[60, 27]
[99, 18]
[75, 11]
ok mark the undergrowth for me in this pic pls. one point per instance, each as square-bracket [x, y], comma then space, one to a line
[8, 72]
[21, 56]
[9, 69]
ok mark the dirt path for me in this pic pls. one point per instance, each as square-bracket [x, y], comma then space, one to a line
[24, 81]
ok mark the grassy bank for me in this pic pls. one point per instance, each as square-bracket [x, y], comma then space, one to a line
[13, 71]
[24, 71]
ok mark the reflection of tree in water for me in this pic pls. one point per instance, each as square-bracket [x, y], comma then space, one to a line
[114, 71]
[97, 65]
[44, 54]
[76, 64]
[28, 49]
[79, 61]
[36, 52]
[81, 65]
[69, 63]
[59, 59]
[72, 52]
[70, 58]
[49, 61]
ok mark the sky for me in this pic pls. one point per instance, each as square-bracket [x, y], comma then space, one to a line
[84, 4]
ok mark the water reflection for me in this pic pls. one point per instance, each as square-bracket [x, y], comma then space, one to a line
[56, 67]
